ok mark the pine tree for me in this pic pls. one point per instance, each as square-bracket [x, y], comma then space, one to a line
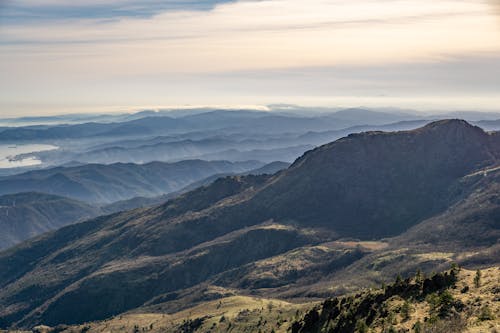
[477, 279]
[406, 310]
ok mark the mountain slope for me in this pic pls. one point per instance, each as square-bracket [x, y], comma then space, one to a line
[368, 186]
[441, 303]
[385, 182]
[138, 202]
[450, 302]
[101, 184]
[26, 215]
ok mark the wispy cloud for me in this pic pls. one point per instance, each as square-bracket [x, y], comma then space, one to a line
[150, 54]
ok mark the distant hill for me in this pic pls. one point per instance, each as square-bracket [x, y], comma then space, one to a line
[138, 202]
[26, 215]
[318, 228]
[101, 184]
[149, 123]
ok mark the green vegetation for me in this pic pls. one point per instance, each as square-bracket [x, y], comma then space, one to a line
[430, 305]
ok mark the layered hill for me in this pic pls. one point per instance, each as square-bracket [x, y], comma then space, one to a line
[276, 235]
[25, 215]
[102, 184]
[29, 214]
[138, 202]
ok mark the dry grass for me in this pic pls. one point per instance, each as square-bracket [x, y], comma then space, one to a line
[252, 314]
[474, 299]
[231, 314]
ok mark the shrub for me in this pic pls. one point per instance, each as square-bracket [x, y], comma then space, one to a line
[477, 279]
[406, 310]
[486, 314]
[361, 327]
[417, 328]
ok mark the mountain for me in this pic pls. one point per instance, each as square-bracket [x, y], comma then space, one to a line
[371, 117]
[389, 181]
[289, 235]
[147, 124]
[26, 215]
[208, 149]
[101, 184]
[138, 202]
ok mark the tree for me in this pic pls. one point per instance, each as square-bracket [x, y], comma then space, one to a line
[417, 328]
[445, 303]
[477, 279]
[361, 327]
[419, 277]
[406, 310]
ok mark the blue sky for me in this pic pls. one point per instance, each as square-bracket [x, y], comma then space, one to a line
[61, 56]
[30, 11]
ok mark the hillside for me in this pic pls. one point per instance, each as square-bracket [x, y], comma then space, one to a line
[26, 215]
[287, 235]
[102, 184]
[441, 303]
[445, 302]
[137, 202]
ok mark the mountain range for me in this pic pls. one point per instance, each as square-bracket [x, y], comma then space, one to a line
[103, 184]
[349, 213]
[29, 214]
[284, 133]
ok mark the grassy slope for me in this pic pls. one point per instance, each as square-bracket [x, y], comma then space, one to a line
[251, 314]
[436, 305]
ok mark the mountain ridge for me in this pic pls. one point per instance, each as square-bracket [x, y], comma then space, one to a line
[101, 184]
[367, 186]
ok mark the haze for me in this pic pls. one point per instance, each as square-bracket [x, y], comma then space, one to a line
[102, 55]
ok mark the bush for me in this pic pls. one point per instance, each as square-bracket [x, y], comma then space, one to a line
[406, 310]
[477, 279]
[361, 327]
[486, 314]
[417, 328]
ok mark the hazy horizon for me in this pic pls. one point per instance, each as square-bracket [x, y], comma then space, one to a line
[301, 110]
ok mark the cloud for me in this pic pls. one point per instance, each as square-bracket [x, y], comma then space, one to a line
[496, 6]
[133, 59]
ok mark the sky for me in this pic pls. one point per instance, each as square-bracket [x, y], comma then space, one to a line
[61, 56]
